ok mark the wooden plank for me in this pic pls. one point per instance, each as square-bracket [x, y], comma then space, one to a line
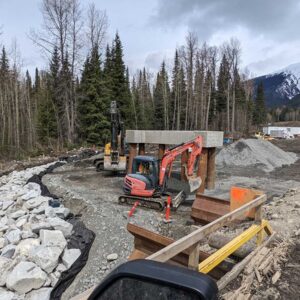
[211, 168]
[141, 149]
[194, 258]
[189, 240]
[132, 155]
[161, 150]
[202, 169]
[238, 268]
[206, 209]
[148, 242]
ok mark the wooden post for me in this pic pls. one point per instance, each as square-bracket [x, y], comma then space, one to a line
[202, 169]
[141, 149]
[161, 150]
[211, 168]
[132, 154]
[184, 159]
[194, 258]
[258, 218]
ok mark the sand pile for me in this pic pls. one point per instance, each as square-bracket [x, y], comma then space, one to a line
[255, 153]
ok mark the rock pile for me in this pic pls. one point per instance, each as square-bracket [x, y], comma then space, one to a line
[33, 239]
[255, 153]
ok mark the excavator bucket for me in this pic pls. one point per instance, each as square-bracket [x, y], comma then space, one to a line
[194, 183]
[193, 180]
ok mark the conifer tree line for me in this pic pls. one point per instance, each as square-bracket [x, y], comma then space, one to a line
[68, 102]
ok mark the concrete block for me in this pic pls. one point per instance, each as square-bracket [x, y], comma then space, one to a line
[173, 137]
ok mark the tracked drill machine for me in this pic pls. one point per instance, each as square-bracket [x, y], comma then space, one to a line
[148, 181]
[114, 152]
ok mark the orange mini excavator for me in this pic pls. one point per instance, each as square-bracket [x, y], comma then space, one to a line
[148, 181]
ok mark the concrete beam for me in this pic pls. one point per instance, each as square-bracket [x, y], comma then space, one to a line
[211, 139]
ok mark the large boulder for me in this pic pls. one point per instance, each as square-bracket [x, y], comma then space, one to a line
[53, 238]
[25, 246]
[6, 295]
[40, 294]
[61, 212]
[17, 214]
[8, 251]
[45, 257]
[25, 277]
[59, 224]
[70, 256]
[35, 202]
[13, 236]
[33, 191]
[4, 266]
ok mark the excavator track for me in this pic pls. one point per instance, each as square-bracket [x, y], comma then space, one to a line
[153, 203]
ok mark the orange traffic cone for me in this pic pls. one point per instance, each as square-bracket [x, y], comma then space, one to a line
[168, 209]
[136, 203]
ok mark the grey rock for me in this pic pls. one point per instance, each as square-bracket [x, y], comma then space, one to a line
[17, 214]
[14, 236]
[61, 212]
[70, 256]
[4, 266]
[46, 257]
[36, 227]
[25, 277]
[54, 278]
[49, 212]
[26, 246]
[40, 210]
[33, 191]
[3, 228]
[53, 238]
[21, 222]
[3, 242]
[8, 251]
[112, 256]
[7, 204]
[35, 202]
[41, 294]
[28, 234]
[61, 268]
[6, 294]
[59, 224]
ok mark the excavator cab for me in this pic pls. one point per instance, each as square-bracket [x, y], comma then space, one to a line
[146, 167]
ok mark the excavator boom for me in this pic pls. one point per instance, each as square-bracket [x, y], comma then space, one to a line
[194, 147]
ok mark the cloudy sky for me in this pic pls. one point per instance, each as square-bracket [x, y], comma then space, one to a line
[151, 29]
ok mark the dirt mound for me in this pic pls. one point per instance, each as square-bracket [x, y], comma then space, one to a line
[255, 152]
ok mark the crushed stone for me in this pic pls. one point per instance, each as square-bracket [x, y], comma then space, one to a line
[254, 152]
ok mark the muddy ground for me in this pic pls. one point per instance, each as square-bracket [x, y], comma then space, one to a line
[94, 196]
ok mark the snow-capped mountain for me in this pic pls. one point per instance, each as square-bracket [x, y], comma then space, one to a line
[282, 86]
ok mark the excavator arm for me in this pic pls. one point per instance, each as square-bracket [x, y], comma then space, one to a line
[194, 147]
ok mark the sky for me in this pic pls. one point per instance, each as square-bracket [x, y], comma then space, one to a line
[150, 30]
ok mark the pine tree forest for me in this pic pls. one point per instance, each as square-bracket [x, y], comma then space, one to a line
[67, 103]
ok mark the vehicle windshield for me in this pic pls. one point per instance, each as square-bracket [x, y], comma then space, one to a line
[143, 167]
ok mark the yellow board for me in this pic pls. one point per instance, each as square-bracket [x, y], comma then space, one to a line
[216, 258]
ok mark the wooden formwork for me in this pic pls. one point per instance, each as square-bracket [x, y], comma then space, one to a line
[186, 252]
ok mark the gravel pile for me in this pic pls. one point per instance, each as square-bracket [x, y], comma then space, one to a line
[33, 238]
[256, 153]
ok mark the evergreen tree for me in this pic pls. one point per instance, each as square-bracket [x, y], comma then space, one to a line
[92, 109]
[259, 113]
[47, 116]
[222, 84]
[119, 84]
[161, 98]
[4, 63]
